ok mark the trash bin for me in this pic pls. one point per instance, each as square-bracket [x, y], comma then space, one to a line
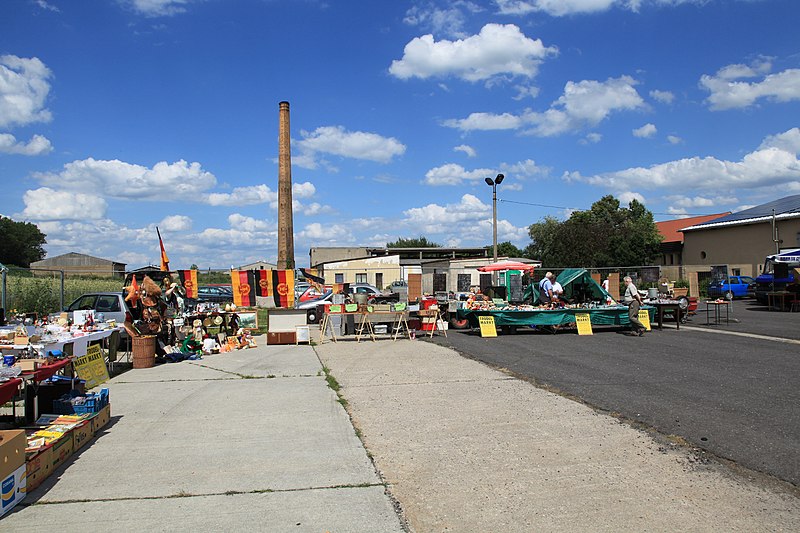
[144, 351]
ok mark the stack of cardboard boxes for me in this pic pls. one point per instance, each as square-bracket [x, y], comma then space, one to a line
[26, 460]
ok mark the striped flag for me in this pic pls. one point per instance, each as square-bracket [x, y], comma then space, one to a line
[189, 281]
[259, 280]
[244, 294]
[282, 287]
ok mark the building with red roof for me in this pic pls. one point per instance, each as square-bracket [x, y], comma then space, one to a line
[672, 245]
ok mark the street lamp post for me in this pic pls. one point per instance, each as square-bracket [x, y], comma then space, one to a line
[493, 183]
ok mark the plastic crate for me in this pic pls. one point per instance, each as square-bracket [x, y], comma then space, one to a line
[92, 403]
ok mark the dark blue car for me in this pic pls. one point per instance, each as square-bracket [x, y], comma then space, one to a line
[739, 287]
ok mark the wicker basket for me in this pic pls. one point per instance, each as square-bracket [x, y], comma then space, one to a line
[144, 351]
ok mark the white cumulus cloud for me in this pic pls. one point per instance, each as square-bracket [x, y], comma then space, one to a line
[729, 89]
[584, 104]
[788, 140]
[665, 97]
[48, 204]
[556, 8]
[159, 8]
[455, 174]
[249, 195]
[24, 87]
[646, 131]
[674, 139]
[497, 50]
[448, 20]
[336, 140]
[165, 181]
[242, 222]
[38, 145]
[175, 223]
[467, 149]
[773, 164]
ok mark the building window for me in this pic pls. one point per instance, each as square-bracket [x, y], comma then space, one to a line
[379, 280]
[338, 277]
[702, 255]
[736, 272]
[361, 278]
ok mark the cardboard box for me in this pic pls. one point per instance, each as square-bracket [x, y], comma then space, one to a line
[62, 450]
[102, 418]
[29, 365]
[81, 435]
[12, 451]
[14, 489]
[39, 467]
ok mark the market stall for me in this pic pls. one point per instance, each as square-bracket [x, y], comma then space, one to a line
[582, 295]
[526, 316]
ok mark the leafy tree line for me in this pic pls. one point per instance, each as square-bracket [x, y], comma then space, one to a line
[604, 236]
[21, 244]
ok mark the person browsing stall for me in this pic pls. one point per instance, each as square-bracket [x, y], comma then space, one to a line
[546, 288]
[633, 300]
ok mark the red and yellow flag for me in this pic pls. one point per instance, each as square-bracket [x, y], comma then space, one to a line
[243, 293]
[164, 258]
[189, 281]
[283, 287]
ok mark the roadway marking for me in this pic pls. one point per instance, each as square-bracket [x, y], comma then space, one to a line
[750, 335]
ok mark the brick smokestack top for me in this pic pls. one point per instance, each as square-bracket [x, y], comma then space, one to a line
[285, 217]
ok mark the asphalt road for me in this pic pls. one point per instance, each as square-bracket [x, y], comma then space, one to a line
[735, 396]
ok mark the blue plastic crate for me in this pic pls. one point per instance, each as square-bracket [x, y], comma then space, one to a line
[92, 403]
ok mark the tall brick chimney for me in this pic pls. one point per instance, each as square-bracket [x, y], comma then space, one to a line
[285, 217]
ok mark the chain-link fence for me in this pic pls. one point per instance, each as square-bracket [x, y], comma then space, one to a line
[26, 291]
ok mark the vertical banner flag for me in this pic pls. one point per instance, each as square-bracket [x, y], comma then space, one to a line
[243, 294]
[164, 258]
[258, 281]
[189, 281]
[283, 287]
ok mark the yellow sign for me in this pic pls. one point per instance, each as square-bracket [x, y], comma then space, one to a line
[584, 322]
[488, 328]
[92, 367]
[644, 318]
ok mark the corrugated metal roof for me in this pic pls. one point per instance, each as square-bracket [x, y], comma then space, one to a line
[787, 207]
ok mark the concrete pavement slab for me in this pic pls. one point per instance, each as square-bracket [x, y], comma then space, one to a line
[182, 371]
[206, 437]
[343, 510]
[227, 443]
[466, 448]
[266, 360]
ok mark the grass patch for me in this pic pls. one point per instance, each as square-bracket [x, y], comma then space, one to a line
[334, 385]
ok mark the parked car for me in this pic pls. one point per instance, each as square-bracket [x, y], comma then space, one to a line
[111, 305]
[215, 293]
[733, 287]
[374, 295]
[312, 312]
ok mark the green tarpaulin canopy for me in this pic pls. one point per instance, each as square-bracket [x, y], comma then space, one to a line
[577, 283]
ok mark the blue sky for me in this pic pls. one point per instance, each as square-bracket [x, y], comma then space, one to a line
[120, 115]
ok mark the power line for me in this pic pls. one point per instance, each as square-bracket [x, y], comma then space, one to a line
[579, 209]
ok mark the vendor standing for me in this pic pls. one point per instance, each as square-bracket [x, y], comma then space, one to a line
[633, 300]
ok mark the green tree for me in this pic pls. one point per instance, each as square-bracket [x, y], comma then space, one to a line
[506, 249]
[419, 242]
[194, 267]
[605, 235]
[21, 243]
